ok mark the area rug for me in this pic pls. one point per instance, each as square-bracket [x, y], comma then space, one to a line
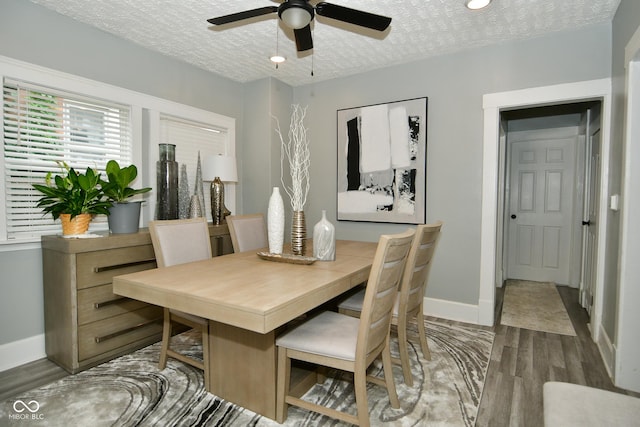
[536, 306]
[132, 391]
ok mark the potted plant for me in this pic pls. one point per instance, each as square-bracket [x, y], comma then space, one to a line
[74, 197]
[124, 215]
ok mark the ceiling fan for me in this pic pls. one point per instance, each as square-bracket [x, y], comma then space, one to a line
[298, 14]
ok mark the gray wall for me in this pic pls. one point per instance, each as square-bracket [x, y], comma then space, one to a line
[455, 85]
[265, 100]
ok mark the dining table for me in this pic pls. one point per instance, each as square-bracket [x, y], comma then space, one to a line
[249, 300]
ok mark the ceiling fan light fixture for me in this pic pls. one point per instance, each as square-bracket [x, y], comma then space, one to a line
[477, 4]
[296, 14]
[278, 59]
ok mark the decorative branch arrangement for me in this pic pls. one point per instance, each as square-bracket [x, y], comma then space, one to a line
[296, 151]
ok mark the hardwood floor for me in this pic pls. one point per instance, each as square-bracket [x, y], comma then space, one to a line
[521, 362]
[28, 376]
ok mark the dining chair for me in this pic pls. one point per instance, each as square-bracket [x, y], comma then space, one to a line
[177, 242]
[248, 232]
[409, 304]
[335, 340]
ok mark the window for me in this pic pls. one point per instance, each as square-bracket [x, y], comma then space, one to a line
[43, 127]
[48, 116]
[193, 139]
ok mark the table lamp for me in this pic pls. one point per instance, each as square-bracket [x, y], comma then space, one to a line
[219, 169]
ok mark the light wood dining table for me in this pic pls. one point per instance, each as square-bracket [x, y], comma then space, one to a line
[248, 301]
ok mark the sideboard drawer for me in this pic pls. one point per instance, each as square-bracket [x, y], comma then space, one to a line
[108, 334]
[85, 323]
[99, 302]
[98, 268]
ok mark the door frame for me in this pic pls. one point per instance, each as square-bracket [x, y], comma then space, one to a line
[492, 205]
[626, 361]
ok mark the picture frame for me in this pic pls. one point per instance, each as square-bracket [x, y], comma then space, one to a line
[381, 162]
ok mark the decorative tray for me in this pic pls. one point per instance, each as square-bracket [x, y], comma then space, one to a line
[288, 258]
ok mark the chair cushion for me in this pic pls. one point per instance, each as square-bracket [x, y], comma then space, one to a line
[569, 405]
[355, 301]
[327, 334]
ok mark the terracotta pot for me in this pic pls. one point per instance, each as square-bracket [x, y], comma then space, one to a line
[79, 224]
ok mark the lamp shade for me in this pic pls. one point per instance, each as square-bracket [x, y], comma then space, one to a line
[223, 167]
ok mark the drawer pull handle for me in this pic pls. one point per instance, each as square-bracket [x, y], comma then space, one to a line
[109, 302]
[125, 331]
[126, 264]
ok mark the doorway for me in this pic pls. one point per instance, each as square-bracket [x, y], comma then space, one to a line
[546, 190]
[494, 150]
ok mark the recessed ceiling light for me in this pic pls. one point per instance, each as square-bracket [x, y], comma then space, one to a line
[278, 59]
[477, 4]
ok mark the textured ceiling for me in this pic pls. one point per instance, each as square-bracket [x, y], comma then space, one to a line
[420, 29]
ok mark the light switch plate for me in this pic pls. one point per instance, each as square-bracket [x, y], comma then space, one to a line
[614, 201]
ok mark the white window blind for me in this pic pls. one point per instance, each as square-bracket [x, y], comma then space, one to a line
[42, 126]
[191, 138]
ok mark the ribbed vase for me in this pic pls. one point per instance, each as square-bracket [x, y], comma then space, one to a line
[298, 233]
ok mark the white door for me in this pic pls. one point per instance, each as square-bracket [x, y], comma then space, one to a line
[590, 223]
[541, 209]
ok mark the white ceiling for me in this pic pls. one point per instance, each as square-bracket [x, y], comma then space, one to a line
[419, 29]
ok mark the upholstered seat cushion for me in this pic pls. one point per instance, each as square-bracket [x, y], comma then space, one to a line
[355, 301]
[576, 405]
[328, 334]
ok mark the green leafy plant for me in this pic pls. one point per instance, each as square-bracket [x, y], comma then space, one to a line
[117, 189]
[73, 193]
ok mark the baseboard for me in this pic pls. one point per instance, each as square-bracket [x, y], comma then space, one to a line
[607, 351]
[23, 351]
[451, 310]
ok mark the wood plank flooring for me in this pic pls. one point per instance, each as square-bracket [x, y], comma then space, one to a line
[521, 362]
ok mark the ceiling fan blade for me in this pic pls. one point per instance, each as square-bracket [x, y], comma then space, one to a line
[304, 41]
[353, 16]
[226, 19]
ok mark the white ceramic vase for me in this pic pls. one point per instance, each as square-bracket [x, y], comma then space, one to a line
[275, 222]
[324, 239]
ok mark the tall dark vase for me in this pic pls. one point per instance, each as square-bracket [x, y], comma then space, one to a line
[167, 180]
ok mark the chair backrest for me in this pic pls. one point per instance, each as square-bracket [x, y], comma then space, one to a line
[380, 295]
[248, 232]
[416, 272]
[177, 241]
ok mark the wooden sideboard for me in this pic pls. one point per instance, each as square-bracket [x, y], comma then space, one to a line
[85, 322]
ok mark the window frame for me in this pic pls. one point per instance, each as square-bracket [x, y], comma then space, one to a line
[145, 111]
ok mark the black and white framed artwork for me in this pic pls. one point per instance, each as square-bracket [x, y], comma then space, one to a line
[382, 153]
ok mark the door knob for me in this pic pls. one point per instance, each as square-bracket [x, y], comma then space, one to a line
[513, 216]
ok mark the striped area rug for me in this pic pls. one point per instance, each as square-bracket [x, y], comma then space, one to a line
[131, 391]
